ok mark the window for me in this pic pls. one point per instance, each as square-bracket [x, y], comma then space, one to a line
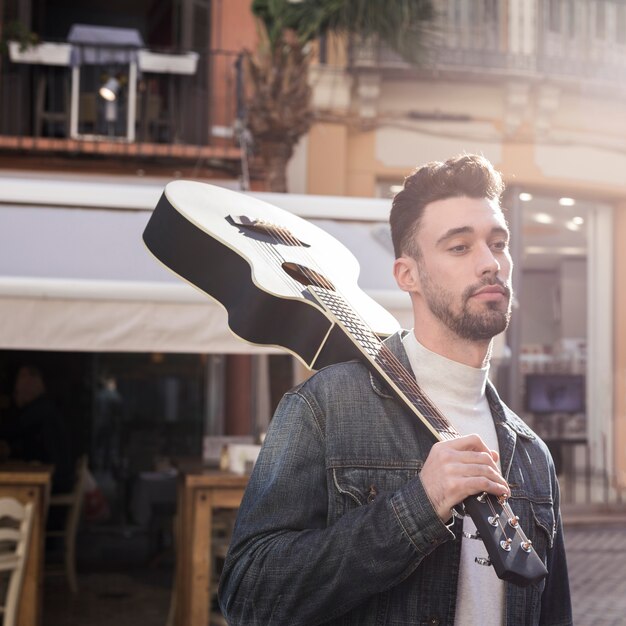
[147, 406]
[600, 29]
[554, 16]
[388, 188]
[571, 19]
[553, 329]
[620, 24]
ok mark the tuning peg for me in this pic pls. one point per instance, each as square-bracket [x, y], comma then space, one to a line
[458, 511]
[527, 545]
[514, 521]
[493, 519]
[505, 544]
[481, 560]
[471, 535]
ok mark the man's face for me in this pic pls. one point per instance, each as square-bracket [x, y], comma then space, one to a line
[464, 266]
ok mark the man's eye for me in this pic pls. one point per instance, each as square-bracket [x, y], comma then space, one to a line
[500, 245]
[459, 248]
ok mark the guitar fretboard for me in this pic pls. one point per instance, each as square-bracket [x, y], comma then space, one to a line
[384, 362]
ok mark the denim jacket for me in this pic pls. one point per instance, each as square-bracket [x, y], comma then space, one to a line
[335, 526]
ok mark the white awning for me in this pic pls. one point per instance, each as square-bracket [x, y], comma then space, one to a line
[75, 275]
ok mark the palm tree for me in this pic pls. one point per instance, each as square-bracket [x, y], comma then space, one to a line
[276, 90]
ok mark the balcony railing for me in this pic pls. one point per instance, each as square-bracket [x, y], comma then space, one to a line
[582, 42]
[163, 104]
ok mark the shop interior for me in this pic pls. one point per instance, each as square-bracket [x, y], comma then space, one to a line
[553, 335]
[140, 420]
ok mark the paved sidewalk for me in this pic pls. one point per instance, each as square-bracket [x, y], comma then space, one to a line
[595, 543]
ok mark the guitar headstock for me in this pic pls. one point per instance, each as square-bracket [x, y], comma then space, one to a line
[510, 552]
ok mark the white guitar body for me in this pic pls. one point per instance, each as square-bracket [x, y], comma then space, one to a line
[256, 260]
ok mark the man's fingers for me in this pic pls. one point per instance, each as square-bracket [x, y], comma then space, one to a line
[467, 442]
[470, 442]
[462, 472]
[450, 455]
[459, 468]
[491, 481]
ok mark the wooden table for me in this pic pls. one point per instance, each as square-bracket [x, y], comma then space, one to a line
[198, 494]
[30, 483]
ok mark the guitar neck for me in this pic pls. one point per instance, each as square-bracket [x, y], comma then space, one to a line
[383, 362]
[497, 525]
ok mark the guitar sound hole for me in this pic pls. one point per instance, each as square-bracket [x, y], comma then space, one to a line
[306, 276]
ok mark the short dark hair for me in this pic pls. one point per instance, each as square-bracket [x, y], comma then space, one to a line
[468, 175]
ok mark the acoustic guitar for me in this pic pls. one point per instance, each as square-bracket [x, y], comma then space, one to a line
[287, 283]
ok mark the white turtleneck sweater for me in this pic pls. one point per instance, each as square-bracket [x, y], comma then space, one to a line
[458, 391]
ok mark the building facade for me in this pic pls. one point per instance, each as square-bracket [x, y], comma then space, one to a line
[101, 104]
[538, 87]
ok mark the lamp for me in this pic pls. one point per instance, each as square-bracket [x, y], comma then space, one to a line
[110, 89]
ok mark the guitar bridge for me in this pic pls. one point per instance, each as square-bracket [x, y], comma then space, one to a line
[265, 231]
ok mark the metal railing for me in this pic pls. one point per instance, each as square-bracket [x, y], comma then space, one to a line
[584, 42]
[171, 105]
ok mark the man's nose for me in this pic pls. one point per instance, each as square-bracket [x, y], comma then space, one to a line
[488, 263]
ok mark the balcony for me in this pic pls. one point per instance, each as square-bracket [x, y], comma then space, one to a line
[164, 104]
[581, 44]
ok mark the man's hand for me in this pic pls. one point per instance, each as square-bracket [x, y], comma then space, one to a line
[460, 468]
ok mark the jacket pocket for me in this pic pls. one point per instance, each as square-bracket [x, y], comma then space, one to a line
[545, 525]
[537, 521]
[356, 485]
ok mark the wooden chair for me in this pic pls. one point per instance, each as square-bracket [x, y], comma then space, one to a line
[16, 519]
[73, 502]
[222, 530]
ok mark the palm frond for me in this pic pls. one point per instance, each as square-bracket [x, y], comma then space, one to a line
[402, 24]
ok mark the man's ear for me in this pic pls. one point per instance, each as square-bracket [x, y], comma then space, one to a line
[406, 274]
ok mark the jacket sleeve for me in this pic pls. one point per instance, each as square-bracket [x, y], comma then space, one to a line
[286, 565]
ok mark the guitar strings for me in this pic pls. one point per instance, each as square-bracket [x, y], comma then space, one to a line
[497, 517]
[268, 251]
[271, 251]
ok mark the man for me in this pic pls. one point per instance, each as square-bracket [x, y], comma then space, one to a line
[37, 433]
[348, 515]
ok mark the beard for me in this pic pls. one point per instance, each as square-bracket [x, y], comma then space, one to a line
[480, 325]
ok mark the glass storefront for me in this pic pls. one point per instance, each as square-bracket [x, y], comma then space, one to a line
[560, 368]
[131, 413]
